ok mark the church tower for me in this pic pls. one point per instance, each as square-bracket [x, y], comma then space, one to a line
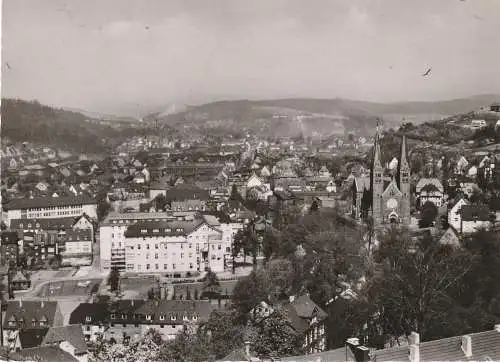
[377, 183]
[403, 179]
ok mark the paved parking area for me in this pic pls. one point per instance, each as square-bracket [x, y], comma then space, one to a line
[68, 288]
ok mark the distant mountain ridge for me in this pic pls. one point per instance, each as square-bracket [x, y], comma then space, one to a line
[101, 116]
[316, 115]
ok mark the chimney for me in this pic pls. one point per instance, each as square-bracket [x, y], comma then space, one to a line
[414, 353]
[414, 339]
[357, 352]
[414, 342]
[467, 346]
[247, 348]
[497, 327]
[292, 298]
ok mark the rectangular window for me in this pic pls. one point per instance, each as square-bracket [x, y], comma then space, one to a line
[173, 266]
[156, 255]
[148, 266]
[156, 246]
[182, 255]
[147, 246]
[138, 246]
[165, 266]
[156, 266]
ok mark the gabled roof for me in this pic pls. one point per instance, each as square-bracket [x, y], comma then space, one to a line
[362, 183]
[29, 310]
[429, 181]
[19, 277]
[475, 213]
[31, 337]
[71, 333]
[301, 310]
[43, 354]
[392, 188]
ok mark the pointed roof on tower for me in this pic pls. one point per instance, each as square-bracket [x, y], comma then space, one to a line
[404, 161]
[376, 155]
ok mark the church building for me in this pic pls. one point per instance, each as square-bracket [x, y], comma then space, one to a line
[384, 195]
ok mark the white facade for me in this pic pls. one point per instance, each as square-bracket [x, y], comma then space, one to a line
[454, 216]
[200, 249]
[206, 246]
[53, 212]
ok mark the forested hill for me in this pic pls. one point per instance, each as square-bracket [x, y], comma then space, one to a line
[59, 128]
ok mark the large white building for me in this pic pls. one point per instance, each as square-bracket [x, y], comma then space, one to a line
[51, 207]
[166, 242]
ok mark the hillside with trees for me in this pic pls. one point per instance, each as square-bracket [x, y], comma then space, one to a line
[24, 121]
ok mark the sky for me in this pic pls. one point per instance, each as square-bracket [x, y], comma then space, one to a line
[130, 56]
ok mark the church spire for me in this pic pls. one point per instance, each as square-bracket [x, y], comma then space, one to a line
[403, 162]
[376, 155]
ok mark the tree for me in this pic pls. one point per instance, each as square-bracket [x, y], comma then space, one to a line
[410, 287]
[103, 209]
[226, 334]
[187, 346]
[314, 206]
[247, 293]
[211, 285]
[160, 202]
[237, 246]
[274, 337]
[428, 215]
[114, 280]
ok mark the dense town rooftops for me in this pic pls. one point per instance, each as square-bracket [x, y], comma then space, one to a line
[44, 202]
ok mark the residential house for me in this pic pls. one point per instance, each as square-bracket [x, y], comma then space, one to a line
[70, 339]
[468, 188]
[461, 165]
[474, 217]
[43, 354]
[455, 215]
[9, 248]
[450, 237]
[305, 317]
[19, 281]
[31, 314]
[168, 317]
[77, 247]
[92, 317]
[430, 190]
